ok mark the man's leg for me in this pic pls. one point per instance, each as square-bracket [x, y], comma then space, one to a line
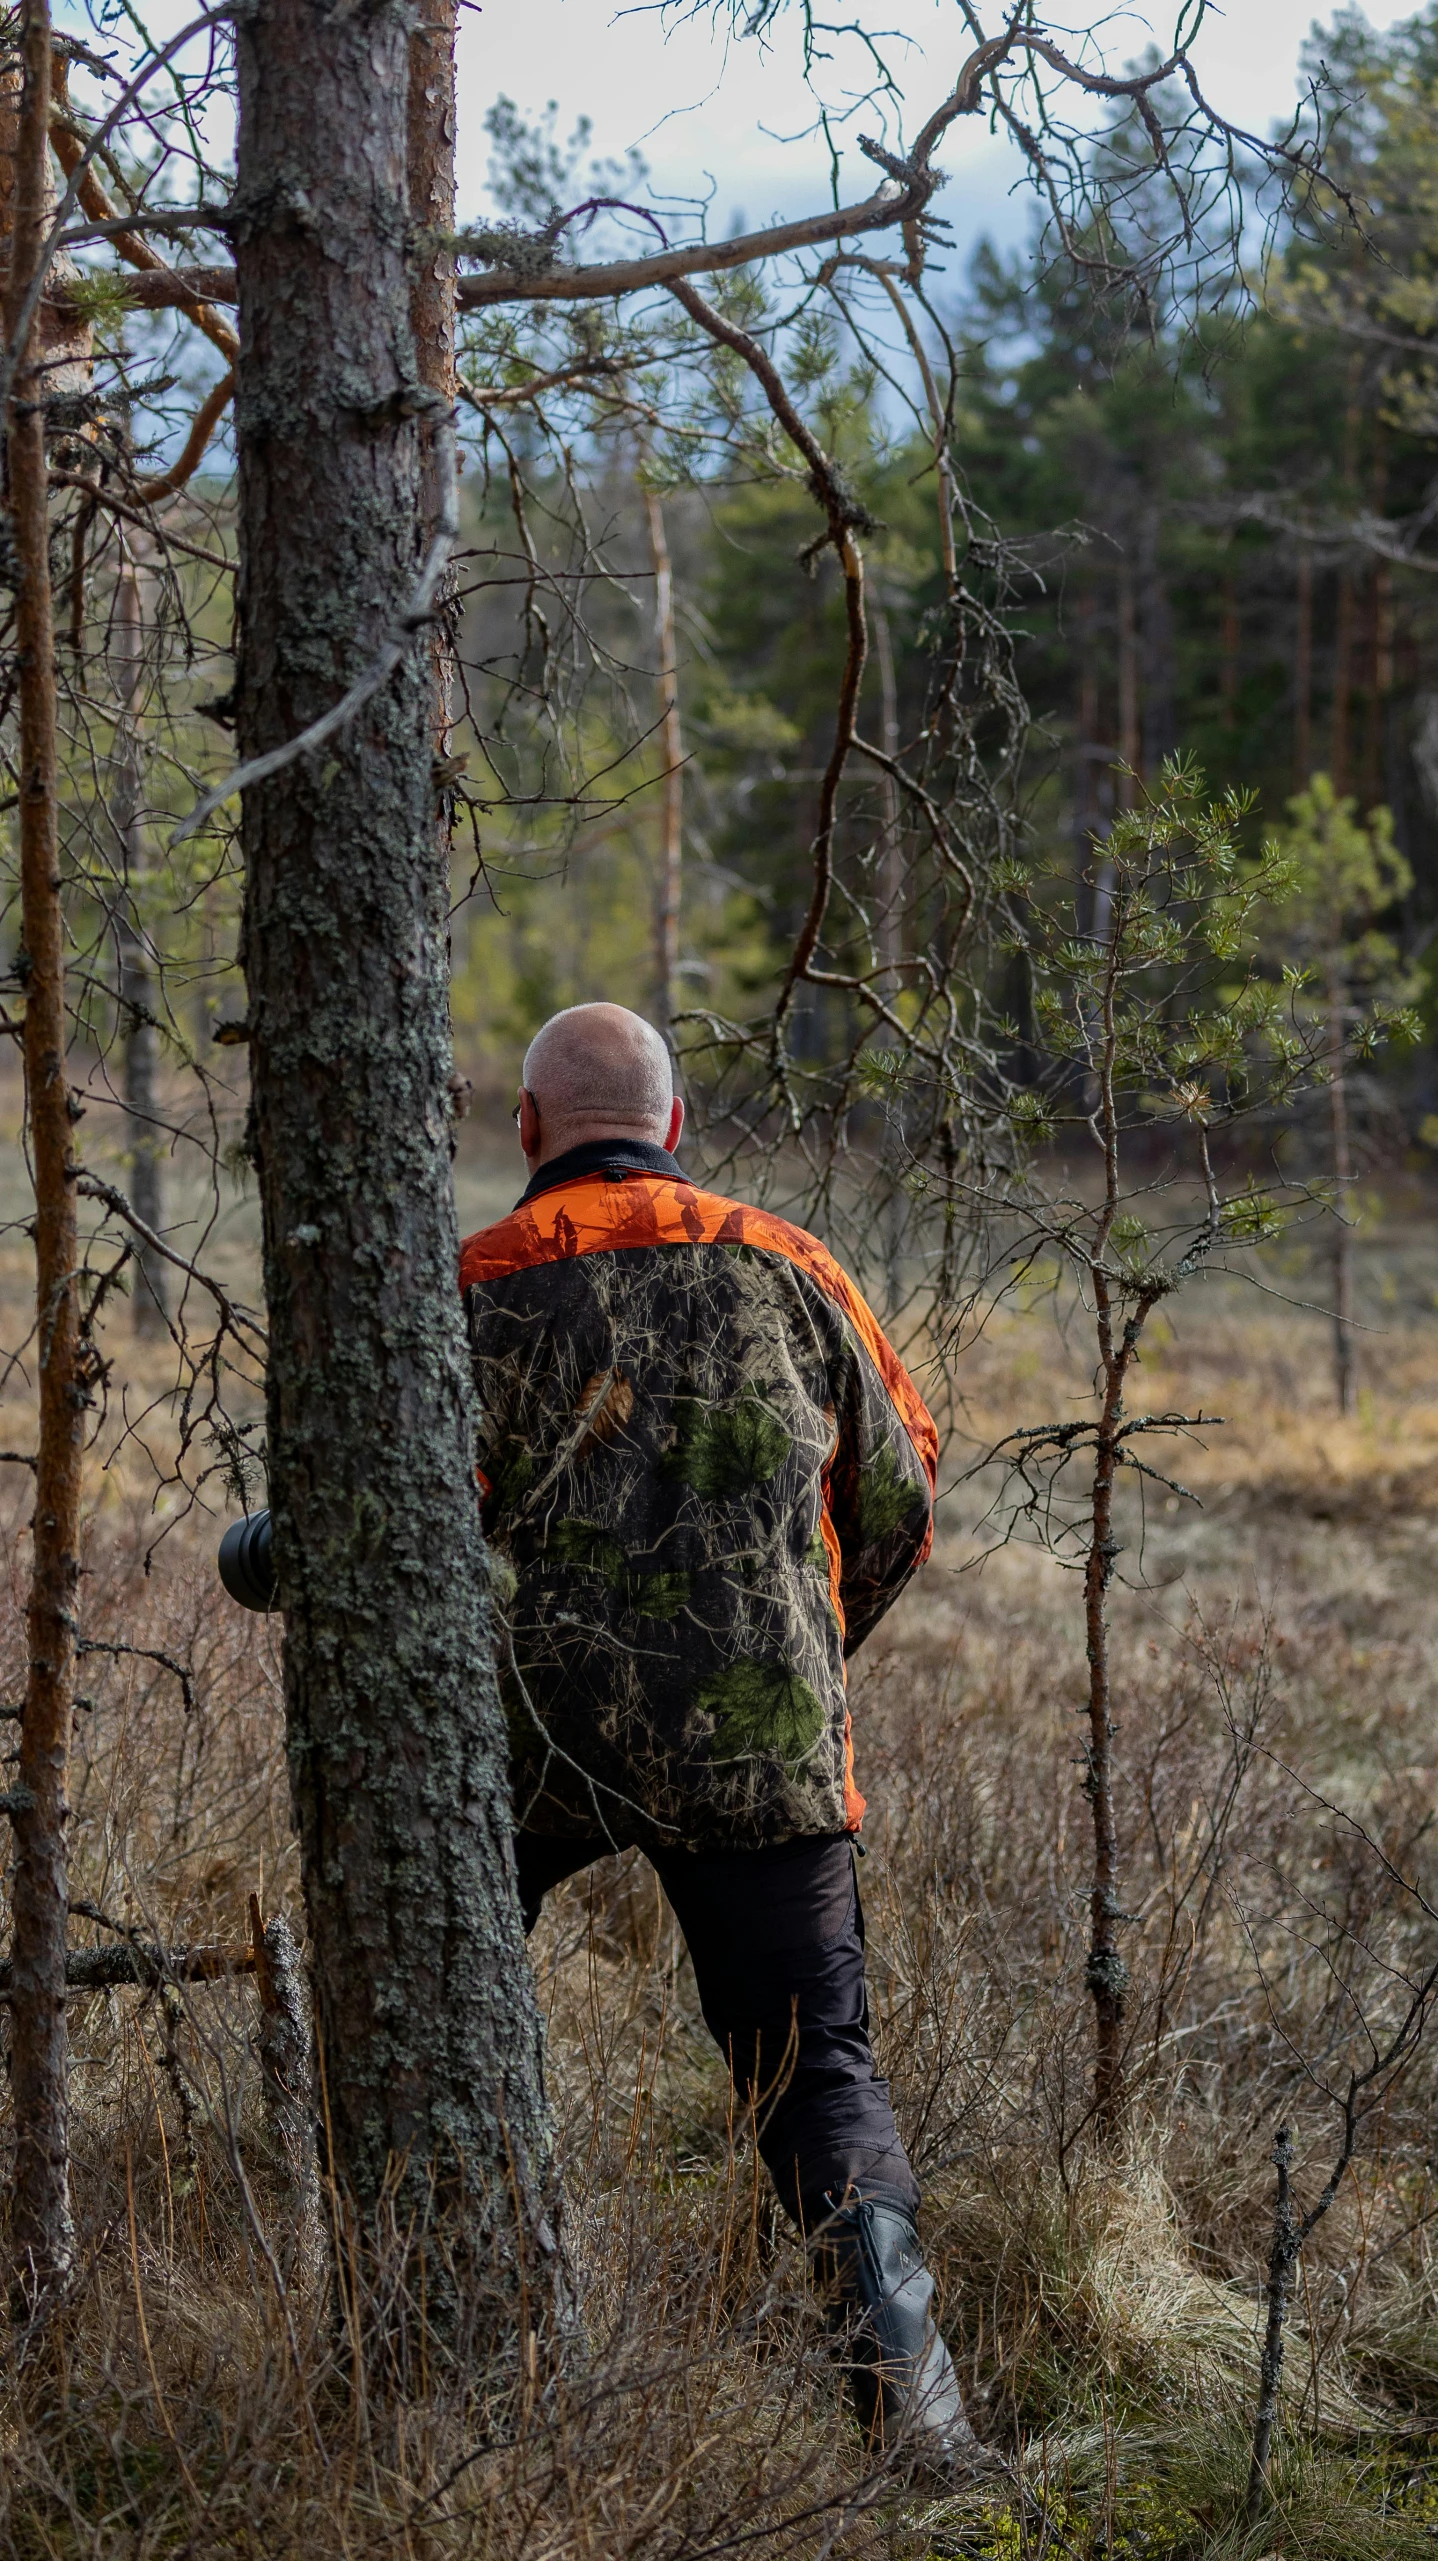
[777, 1940]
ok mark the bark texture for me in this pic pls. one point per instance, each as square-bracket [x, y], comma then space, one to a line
[671, 746]
[42, 2235]
[430, 2041]
[1342, 1189]
[139, 1022]
[1283, 2253]
[429, 153]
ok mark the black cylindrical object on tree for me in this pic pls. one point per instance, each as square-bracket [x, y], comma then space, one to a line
[247, 1562]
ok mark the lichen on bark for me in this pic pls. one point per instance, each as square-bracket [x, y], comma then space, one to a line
[430, 2037]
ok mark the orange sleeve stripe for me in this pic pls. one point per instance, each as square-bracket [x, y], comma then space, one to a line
[855, 1805]
[597, 1216]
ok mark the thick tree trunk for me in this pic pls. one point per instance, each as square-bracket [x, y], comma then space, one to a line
[430, 2037]
[42, 2235]
[139, 1028]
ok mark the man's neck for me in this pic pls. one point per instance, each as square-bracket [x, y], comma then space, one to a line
[592, 1134]
[621, 1155]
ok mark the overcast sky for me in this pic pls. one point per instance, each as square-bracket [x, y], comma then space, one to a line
[712, 113]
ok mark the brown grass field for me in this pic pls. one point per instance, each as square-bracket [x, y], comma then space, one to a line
[1276, 1690]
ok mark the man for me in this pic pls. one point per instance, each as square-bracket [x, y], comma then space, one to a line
[706, 1476]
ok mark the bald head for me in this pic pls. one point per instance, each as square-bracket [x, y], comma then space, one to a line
[597, 1071]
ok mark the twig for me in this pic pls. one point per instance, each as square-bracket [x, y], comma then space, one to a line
[392, 650]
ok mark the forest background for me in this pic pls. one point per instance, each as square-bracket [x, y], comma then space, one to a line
[1193, 520]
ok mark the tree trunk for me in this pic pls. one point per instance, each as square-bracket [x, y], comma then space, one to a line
[1342, 1184]
[42, 2234]
[1130, 739]
[1303, 674]
[1228, 664]
[1106, 1972]
[889, 885]
[137, 991]
[1343, 686]
[671, 743]
[429, 153]
[1282, 2259]
[430, 2040]
[1158, 722]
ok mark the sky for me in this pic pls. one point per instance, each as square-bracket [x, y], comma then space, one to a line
[732, 118]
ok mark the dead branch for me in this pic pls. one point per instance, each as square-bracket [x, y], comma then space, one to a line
[70, 150]
[202, 427]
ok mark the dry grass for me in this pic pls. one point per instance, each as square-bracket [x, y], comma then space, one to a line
[1103, 2309]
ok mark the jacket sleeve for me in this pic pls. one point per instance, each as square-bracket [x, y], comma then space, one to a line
[501, 1455]
[880, 1496]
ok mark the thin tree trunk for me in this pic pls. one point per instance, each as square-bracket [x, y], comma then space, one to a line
[1089, 752]
[1228, 665]
[1282, 2259]
[430, 2038]
[42, 2232]
[140, 1029]
[890, 887]
[889, 934]
[1342, 1185]
[1343, 686]
[1341, 759]
[671, 742]
[1380, 636]
[1158, 717]
[1303, 674]
[1106, 1971]
[1130, 744]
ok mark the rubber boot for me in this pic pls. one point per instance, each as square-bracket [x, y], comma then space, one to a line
[880, 2295]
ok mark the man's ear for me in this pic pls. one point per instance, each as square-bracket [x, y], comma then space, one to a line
[529, 1138]
[676, 1124]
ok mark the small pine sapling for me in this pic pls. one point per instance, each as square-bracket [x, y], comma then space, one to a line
[1345, 874]
[1159, 1030]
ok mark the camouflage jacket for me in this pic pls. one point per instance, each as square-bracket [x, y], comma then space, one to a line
[706, 1475]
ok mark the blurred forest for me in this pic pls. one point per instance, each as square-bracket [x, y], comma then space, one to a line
[1218, 541]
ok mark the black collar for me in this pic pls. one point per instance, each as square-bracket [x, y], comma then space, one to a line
[617, 1156]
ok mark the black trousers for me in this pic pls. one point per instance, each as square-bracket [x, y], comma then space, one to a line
[777, 1941]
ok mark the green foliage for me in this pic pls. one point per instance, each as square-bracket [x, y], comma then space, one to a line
[1145, 1007]
[1345, 874]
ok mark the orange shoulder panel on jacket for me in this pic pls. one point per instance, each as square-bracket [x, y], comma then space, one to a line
[594, 1215]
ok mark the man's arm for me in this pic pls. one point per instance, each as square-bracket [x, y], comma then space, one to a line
[880, 1497]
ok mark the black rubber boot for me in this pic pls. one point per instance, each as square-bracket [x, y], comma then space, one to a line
[880, 2293]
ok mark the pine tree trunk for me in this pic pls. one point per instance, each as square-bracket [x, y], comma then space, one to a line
[430, 2040]
[138, 1026]
[1342, 1191]
[429, 151]
[41, 2230]
[671, 747]
[1303, 674]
